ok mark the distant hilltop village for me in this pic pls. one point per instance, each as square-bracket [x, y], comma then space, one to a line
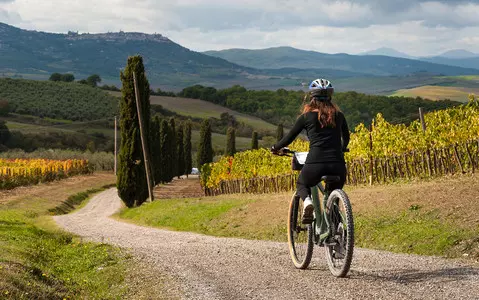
[117, 36]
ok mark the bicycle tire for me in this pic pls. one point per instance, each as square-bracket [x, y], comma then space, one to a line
[300, 237]
[340, 256]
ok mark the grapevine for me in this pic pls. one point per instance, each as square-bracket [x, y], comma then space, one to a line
[443, 128]
[20, 172]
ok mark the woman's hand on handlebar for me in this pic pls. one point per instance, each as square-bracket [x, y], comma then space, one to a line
[281, 152]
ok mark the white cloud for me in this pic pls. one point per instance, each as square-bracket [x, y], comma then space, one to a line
[351, 26]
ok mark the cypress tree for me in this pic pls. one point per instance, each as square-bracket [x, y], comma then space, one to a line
[187, 148]
[230, 142]
[279, 132]
[205, 150]
[254, 141]
[155, 146]
[4, 132]
[165, 159]
[131, 179]
[180, 170]
[173, 151]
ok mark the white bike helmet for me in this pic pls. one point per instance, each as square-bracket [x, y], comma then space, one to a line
[321, 88]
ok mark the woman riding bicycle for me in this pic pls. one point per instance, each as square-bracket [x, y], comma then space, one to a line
[328, 135]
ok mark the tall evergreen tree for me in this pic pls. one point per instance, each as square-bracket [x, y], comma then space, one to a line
[155, 149]
[131, 179]
[205, 150]
[279, 132]
[4, 133]
[254, 141]
[187, 148]
[165, 158]
[230, 142]
[180, 166]
[173, 150]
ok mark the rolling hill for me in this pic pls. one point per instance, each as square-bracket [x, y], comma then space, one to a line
[57, 100]
[459, 53]
[373, 65]
[468, 62]
[387, 52]
[32, 52]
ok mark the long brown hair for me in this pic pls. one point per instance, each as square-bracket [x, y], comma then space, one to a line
[326, 110]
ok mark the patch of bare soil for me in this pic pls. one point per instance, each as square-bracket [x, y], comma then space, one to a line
[180, 188]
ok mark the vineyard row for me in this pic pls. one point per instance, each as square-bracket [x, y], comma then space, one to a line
[435, 162]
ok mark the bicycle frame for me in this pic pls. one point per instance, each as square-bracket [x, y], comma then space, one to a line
[322, 227]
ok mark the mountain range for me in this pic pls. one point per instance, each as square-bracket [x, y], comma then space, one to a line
[36, 54]
[372, 65]
[456, 57]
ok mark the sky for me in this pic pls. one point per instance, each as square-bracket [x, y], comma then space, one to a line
[416, 27]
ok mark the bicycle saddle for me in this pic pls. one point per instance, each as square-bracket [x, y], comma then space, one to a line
[330, 179]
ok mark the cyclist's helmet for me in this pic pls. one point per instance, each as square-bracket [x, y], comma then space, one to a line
[321, 88]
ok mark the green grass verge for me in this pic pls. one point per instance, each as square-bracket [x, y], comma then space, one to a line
[77, 201]
[411, 232]
[38, 261]
[184, 215]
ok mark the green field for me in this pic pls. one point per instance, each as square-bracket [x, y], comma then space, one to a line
[439, 92]
[474, 78]
[203, 109]
[219, 141]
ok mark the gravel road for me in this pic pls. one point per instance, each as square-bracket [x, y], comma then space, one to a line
[207, 267]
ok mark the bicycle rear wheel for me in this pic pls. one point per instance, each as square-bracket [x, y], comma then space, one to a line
[339, 249]
[300, 237]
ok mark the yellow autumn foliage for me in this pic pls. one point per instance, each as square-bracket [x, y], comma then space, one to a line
[443, 127]
[19, 172]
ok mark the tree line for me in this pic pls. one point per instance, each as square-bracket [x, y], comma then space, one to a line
[283, 107]
[170, 148]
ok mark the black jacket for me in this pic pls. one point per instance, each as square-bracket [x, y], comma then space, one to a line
[325, 144]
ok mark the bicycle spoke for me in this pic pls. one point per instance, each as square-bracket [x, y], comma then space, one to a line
[300, 236]
[339, 254]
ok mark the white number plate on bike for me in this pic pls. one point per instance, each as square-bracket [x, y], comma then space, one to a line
[301, 157]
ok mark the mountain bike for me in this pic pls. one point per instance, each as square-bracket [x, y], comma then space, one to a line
[332, 226]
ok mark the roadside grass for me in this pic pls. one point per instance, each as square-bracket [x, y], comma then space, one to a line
[183, 215]
[39, 261]
[427, 218]
[414, 232]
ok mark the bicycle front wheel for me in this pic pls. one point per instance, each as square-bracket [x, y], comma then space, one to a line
[340, 246]
[300, 237]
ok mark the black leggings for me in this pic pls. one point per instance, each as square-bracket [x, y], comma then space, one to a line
[311, 175]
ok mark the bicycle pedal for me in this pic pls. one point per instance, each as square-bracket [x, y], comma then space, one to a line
[307, 221]
[331, 242]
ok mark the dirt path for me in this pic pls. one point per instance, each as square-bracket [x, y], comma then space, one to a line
[224, 268]
[180, 188]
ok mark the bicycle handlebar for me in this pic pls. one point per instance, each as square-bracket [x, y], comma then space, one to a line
[285, 151]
